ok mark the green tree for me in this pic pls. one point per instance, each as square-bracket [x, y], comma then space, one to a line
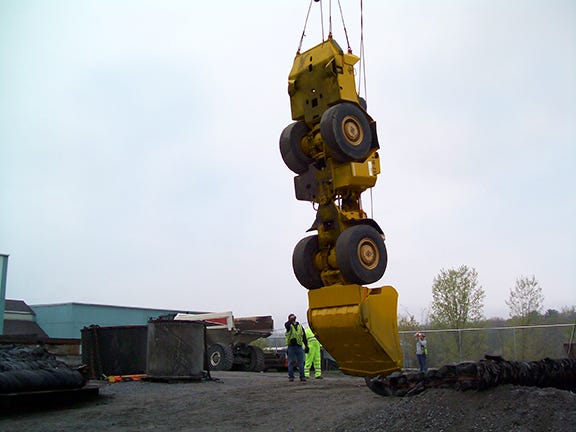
[457, 303]
[526, 300]
[407, 322]
[457, 299]
[568, 314]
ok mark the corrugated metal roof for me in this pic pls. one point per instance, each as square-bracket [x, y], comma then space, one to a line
[17, 306]
[23, 328]
[114, 306]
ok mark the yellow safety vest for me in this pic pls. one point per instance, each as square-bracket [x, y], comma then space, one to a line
[295, 332]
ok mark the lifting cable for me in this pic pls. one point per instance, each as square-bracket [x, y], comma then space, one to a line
[304, 29]
[330, 19]
[344, 26]
[322, 23]
[362, 67]
[322, 19]
[371, 205]
[362, 72]
[362, 80]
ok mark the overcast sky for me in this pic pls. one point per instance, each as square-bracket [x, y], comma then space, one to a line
[139, 161]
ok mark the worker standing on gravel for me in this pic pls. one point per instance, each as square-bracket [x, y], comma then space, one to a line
[313, 356]
[421, 351]
[295, 338]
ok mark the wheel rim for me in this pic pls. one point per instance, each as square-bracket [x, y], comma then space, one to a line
[215, 359]
[368, 253]
[352, 130]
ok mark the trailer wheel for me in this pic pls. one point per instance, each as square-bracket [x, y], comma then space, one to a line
[256, 359]
[361, 254]
[303, 263]
[220, 357]
[346, 131]
[290, 147]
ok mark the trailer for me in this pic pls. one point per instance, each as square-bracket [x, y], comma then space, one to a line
[228, 339]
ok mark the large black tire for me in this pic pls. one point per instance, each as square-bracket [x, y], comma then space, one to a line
[257, 360]
[377, 387]
[361, 254]
[291, 149]
[346, 131]
[303, 263]
[220, 357]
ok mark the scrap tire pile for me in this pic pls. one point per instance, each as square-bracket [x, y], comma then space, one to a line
[27, 369]
[489, 372]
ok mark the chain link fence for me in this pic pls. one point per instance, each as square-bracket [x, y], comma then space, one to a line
[522, 343]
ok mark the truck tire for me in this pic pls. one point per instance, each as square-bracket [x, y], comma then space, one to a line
[290, 147]
[303, 263]
[220, 357]
[377, 387]
[346, 131]
[257, 361]
[361, 254]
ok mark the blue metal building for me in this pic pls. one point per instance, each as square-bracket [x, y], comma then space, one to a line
[66, 320]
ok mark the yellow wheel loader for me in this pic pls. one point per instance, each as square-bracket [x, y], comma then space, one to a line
[332, 146]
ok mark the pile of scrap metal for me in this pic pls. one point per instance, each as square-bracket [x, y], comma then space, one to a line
[486, 373]
[29, 369]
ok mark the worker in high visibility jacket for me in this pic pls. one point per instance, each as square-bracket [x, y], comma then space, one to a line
[313, 356]
[295, 338]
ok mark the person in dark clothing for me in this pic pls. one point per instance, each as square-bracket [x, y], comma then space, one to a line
[295, 338]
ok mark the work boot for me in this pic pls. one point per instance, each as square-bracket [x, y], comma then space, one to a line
[319, 377]
[302, 379]
[290, 379]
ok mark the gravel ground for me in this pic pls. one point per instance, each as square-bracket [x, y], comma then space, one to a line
[242, 401]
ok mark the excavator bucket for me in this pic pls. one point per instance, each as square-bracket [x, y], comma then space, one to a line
[358, 327]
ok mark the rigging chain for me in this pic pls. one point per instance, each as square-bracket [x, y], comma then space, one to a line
[362, 69]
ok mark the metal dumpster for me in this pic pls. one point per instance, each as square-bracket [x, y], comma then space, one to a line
[176, 350]
[114, 350]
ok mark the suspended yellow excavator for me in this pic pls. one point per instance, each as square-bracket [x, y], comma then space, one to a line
[333, 148]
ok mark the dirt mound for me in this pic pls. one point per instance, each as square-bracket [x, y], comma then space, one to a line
[505, 408]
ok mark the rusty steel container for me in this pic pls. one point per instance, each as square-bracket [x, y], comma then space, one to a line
[176, 350]
[119, 350]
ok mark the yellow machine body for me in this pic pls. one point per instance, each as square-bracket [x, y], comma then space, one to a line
[356, 174]
[358, 327]
[333, 147]
[320, 77]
